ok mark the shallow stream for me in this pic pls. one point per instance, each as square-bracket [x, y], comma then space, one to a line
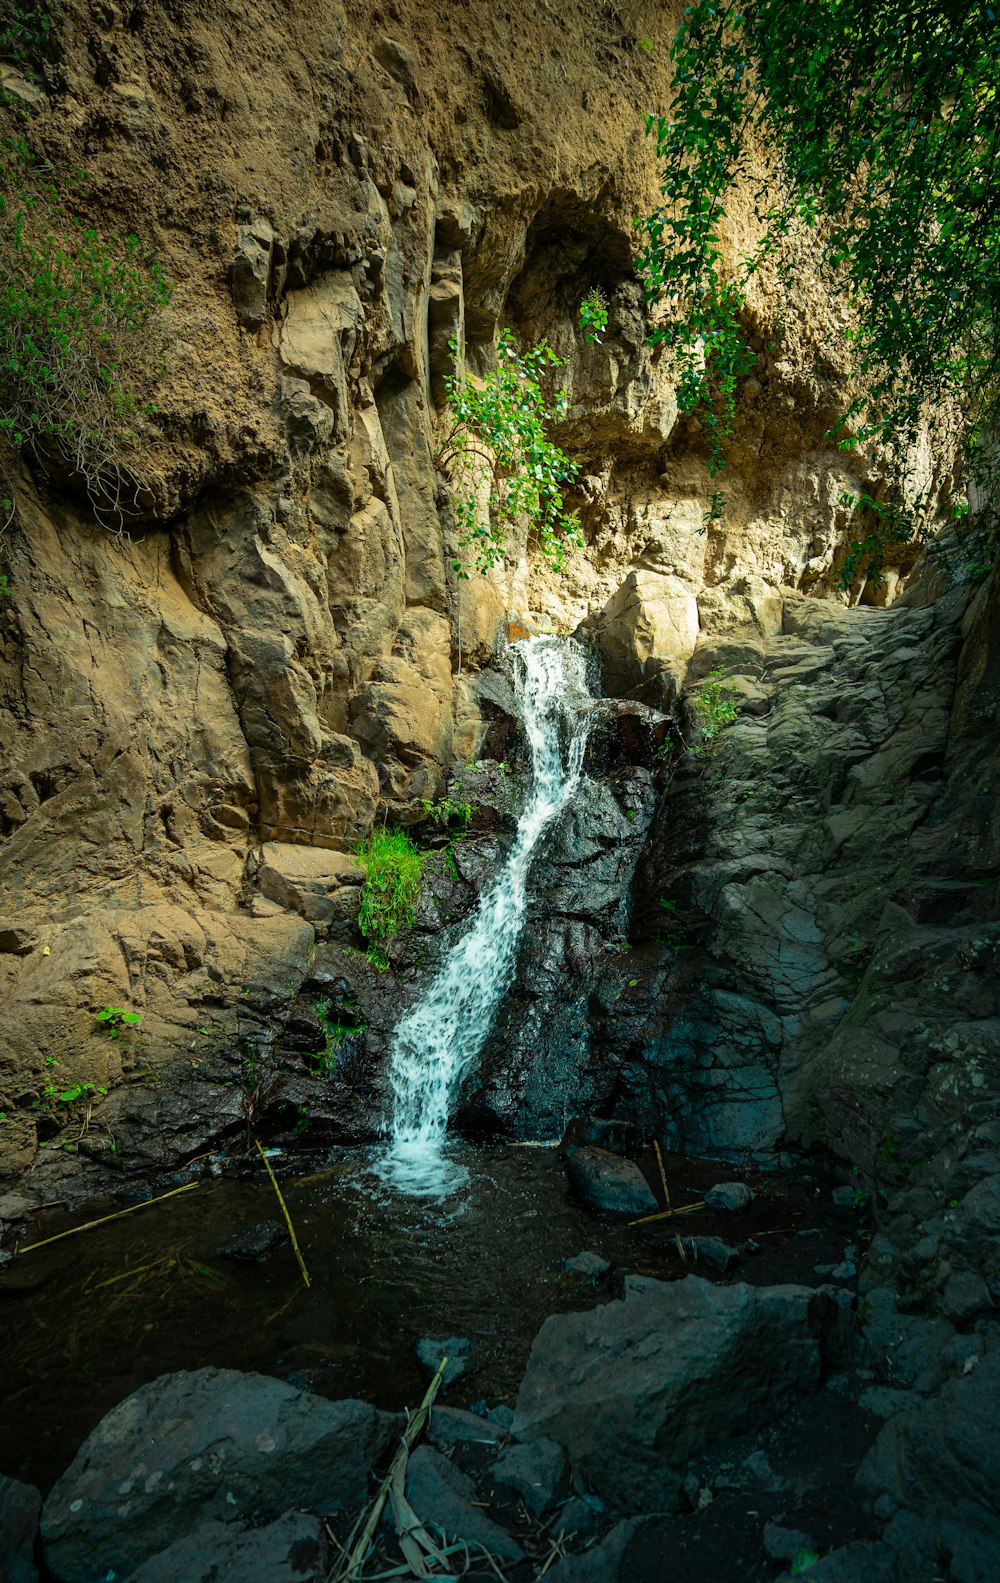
[92, 1317]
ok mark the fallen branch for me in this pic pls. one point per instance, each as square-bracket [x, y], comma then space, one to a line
[89, 1226]
[284, 1210]
[670, 1214]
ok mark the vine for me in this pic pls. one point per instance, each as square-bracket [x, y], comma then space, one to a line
[885, 126]
[498, 446]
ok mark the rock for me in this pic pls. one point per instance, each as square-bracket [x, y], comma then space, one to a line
[294, 1549]
[457, 1349]
[965, 1295]
[503, 1417]
[590, 1265]
[718, 1255]
[250, 273]
[20, 1508]
[320, 885]
[632, 1552]
[449, 1427]
[784, 1544]
[439, 1493]
[195, 1447]
[580, 1517]
[872, 1563]
[253, 1244]
[596, 1132]
[610, 1183]
[645, 635]
[636, 1388]
[731, 1196]
[943, 1457]
[537, 1472]
[845, 1197]
[14, 1207]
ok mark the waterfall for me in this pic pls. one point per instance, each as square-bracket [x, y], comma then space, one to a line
[437, 1041]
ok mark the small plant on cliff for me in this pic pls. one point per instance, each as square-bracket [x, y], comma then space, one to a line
[113, 1019]
[80, 330]
[594, 315]
[393, 878]
[497, 453]
[24, 33]
[713, 707]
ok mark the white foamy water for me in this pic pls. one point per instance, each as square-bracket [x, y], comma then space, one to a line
[439, 1039]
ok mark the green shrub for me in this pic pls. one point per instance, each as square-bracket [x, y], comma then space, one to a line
[81, 334]
[24, 33]
[713, 707]
[391, 890]
[594, 314]
[498, 438]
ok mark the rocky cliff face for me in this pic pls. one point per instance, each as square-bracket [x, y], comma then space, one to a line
[199, 720]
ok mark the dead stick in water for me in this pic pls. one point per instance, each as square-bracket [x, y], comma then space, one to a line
[284, 1211]
[663, 1174]
[105, 1218]
[668, 1214]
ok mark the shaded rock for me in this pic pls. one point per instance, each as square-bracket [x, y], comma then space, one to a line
[732, 1196]
[784, 1544]
[636, 1388]
[965, 1295]
[609, 1183]
[457, 1349]
[872, 1563]
[631, 1553]
[718, 1255]
[590, 1265]
[439, 1493]
[845, 1197]
[20, 1508]
[253, 1244]
[536, 1471]
[943, 1457]
[190, 1448]
[450, 1427]
[503, 1417]
[295, 1549]
[617, 1137]
[580, 1517]
[14, 1207]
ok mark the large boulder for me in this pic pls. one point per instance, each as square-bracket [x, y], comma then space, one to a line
[610, 1183]
[190, 1448]
[645, 635]
[636, 1388]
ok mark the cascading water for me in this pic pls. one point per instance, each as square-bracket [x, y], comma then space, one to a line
[437, 1041]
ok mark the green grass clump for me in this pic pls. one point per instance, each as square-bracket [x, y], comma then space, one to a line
[391, 891]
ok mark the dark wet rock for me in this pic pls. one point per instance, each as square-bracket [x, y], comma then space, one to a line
[713, 1252]
[580, 1517]
[784, 1544]
[610, 1183]
[537, 1472]
[195, 1447]
[253, 1244]
[632, 1552]
[458, 1350]
[636, 1388]
[503, 1417]
[846, 1197]
[858, 1563]
[14, 1207]
[294, 1549]
[450, 1427]
[732, 1196]
[20, 1508]
[943, 1457]
[965, 1295]
[590, 1265]
[617, 1137]
[441, 1494]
